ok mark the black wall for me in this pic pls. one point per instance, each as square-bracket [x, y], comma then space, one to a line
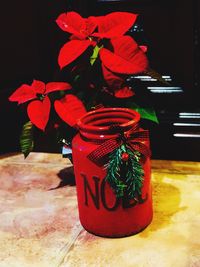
[30, 41]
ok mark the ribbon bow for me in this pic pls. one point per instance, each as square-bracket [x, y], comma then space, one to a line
[134, 139]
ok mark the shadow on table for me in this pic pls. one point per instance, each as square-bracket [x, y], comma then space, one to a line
[67, 177]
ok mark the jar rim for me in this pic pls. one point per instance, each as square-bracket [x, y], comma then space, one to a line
[132, 120]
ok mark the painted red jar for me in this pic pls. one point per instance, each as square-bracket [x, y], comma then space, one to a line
[100, 211]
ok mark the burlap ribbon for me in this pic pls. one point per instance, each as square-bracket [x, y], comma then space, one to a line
[134, 139]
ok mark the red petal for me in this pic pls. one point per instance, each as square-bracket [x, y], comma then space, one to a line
[127, 57]
[73, 23]
[71, 50]
[91, 24]
[112, 79]
[73, 37]
[69, 109]
[38, 112]
[115, 24]
[38, 86]
[124, 92]
[57, 86]
[23, 94]
[144, 48]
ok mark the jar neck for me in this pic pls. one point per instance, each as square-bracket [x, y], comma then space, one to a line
[106, 123]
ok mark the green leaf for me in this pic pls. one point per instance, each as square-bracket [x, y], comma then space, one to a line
[26, 139]
[95, 54]
[156, 76]
[148, 113]
[145, 112]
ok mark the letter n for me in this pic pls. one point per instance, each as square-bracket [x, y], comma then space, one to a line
[88, 190]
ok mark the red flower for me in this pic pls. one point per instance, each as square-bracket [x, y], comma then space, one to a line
[114, 24]
[82, 32]
[38, 110]
[127, 57]
[81, 29]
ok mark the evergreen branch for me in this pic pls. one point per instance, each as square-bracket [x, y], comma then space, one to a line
[134, 175]
[125, 178]
[113, 173]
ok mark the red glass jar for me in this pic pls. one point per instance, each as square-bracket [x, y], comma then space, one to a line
[100, 211]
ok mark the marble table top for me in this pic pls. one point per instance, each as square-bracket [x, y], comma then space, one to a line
[39, 223]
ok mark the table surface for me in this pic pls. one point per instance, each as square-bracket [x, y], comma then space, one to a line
[39, 223]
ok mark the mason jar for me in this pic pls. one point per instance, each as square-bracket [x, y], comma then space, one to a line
[101, 212]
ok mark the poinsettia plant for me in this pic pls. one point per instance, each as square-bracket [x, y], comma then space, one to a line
[99, 55]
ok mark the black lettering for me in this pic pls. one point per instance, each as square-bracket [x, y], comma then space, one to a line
[142, 200]
[96, 194]
[87, 189]
[103, 198]
[129, 203]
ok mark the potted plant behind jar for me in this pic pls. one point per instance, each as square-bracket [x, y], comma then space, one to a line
[110, 151]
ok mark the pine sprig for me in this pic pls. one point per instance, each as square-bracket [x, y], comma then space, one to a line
[125, 178]
[113, 172]
[134, 175]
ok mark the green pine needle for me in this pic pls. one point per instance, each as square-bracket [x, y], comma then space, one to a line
[125, 178]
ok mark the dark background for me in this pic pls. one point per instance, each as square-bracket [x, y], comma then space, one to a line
[30, 42]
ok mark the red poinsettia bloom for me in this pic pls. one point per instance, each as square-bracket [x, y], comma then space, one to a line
[39, 108]
[81, 29]
[113, 25]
